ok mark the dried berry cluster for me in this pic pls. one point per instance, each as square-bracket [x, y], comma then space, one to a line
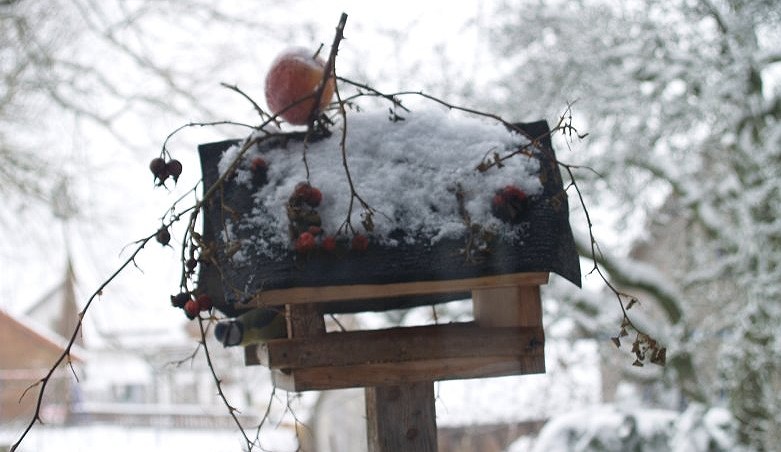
[162, 170]
[510, 204]
[187, 301]
[191, 306]
[305, 225]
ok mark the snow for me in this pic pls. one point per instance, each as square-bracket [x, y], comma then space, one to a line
[605, 428]
[407, 171]
[700, 429]
[614, 427]
[148, 439]
[572, 380]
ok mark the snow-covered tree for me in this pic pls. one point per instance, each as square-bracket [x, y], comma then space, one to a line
[683, 105]
[75, 75]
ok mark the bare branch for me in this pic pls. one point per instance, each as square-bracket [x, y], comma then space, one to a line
[218, 384]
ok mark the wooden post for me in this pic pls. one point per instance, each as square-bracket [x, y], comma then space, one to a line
[401, 418]
[304, 320]
[507, 306]
[511, 306]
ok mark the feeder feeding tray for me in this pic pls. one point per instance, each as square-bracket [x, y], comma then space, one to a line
[500, 269]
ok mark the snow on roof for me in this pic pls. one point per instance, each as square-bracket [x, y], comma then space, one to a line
[406, 170]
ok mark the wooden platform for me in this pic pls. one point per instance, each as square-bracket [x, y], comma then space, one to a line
[506, 337]
[368, 292]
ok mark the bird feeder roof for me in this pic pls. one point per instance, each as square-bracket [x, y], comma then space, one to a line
[421, 190]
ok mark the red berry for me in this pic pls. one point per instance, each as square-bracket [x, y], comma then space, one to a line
[360, 243]
[191, 264]
[513, 193]
[259, 169]
[315, 230]
[163, 236]
[191, 308]
[313, 197]
[300, 190]
[305, 243]
[174, 168]
[204, 302]
[509, 204]
[307, 194]
[258, 164]
[158, 168]
[329, 244]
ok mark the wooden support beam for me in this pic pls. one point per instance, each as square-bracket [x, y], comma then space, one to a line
[368, 292]
[401, 418]
[303, 320]
[454, 340]
[505, 339]
[379, 374]
[507, 306]
[511, 306]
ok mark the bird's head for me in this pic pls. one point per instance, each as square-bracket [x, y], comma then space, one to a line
[229, 332]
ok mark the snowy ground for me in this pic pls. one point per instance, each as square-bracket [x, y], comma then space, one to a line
[135, 439]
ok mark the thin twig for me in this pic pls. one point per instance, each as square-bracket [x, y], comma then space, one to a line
[206, 124]
[642, 339]
[218, 384]
[328, 70]
[362, 86]
[262, 113]
[266, 415]
[337, 322]
[368, 211]
[44, 382]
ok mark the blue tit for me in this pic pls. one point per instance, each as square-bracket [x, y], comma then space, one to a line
[257, 325]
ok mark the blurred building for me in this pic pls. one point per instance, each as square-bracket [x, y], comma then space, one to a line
[27, 354]
[144, 378]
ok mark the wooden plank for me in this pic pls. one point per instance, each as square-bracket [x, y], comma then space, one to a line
[455, 340]
[401, 418]
[504, 307]
[382, 374]
[507, 306]
[368, 292]
[304, 320]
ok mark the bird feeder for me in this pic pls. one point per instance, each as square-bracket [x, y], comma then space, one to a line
[500, 271]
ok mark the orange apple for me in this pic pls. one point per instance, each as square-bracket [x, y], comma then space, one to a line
[291, 85]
